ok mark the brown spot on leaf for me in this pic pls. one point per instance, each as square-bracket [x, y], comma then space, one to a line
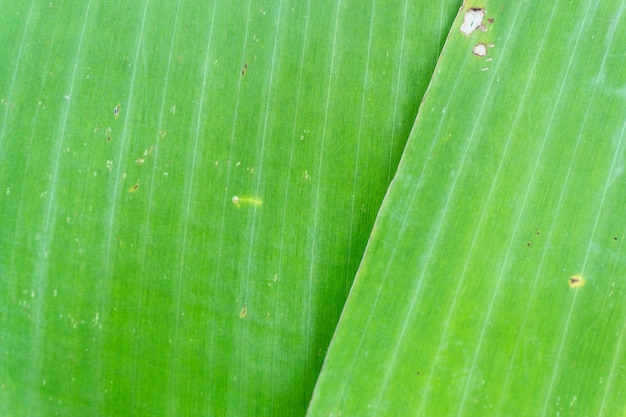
[576, 281]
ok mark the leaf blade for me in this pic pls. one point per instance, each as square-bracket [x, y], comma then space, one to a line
[139, 283]
[485, 223]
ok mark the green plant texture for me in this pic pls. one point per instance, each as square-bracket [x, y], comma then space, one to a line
[493, 283]
[187, 191]
[283, 208]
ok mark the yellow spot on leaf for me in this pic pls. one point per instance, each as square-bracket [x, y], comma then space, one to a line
[243, 312]
[238, 201]
[576, 281]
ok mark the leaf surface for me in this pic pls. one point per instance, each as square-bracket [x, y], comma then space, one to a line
[509, 196]
[186, 192]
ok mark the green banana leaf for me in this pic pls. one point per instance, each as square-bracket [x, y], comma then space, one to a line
[493, 283]
[186, 191]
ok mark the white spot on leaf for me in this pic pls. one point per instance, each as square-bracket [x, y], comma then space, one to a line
[473, 20]
[480, 49]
